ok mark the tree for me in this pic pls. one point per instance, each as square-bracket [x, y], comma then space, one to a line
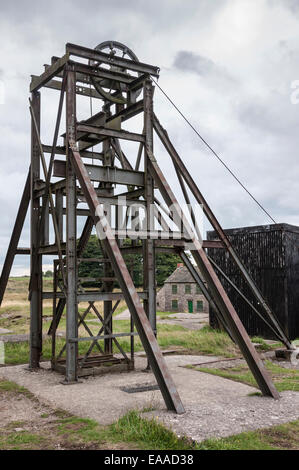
[92, 250]
[166, 263]
[48, 273]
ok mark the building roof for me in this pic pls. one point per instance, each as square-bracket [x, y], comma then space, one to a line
[181, 274]
[255, 229]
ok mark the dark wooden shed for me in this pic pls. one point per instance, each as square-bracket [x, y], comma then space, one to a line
[271, 254]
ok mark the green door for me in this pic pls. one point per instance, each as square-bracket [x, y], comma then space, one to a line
[190, 306]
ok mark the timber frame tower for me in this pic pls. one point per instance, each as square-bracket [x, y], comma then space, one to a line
[91, 168]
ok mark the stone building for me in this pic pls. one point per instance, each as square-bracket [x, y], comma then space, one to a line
[180, 293]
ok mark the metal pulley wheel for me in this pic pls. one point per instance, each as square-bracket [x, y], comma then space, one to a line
[113, 90]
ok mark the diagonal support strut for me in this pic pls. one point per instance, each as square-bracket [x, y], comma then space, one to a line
[151, 347]
[15, 237]
[220, 297]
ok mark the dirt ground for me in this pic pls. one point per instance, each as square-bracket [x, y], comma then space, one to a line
[28, 423]
[214, 406]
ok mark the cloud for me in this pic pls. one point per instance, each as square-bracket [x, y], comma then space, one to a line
[293, 5]
[188, 61]
[211, 74]
[227, 64]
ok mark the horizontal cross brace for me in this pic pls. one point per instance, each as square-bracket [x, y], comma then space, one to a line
[93, 260]
[23, 251]
[171, 244]
[124, 115]
[92, 54]
[85, 71]
[51, 249]
[95, 131]
[52, 71]
[148, 235]
[93, 296]
[104, 174]
[80, 89]
[114, 201]
[96, 279]
[60, 150]
[101, 192]
[98, 338]
[160, 244]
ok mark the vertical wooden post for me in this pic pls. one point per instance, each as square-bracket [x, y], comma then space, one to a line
[71, 236]
[59, 213]
[149, 264]
[108, 271]
[36, 258]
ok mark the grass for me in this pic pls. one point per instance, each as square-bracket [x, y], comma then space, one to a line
[15, 309]
[7, 386]
[150, 434]
[59, 429]
[284, 379]
[283, 437]
[204, 341]
[18, 353]
[132, 430]
[146, 433]
[263, 345]
[71, 432]
[87, 429]
[20, 440]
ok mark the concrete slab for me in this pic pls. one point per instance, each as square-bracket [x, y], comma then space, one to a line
[227, 416]
[214, 406]
[4, 331]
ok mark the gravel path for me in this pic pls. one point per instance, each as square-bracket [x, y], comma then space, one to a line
[18, 338]
[214, 406]
[191, 321]
[227, 417]
[4, 331]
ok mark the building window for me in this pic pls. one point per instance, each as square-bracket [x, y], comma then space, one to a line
[174, 304]
[199, 306]
[198, 290]
[174, 289]
[187, 289]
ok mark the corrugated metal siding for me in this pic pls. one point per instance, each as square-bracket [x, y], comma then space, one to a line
[269, 257]
[292, 257]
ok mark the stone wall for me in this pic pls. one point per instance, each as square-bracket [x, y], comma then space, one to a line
[165, 298]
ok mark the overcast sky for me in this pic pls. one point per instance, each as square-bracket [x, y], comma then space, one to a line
[228, 65]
